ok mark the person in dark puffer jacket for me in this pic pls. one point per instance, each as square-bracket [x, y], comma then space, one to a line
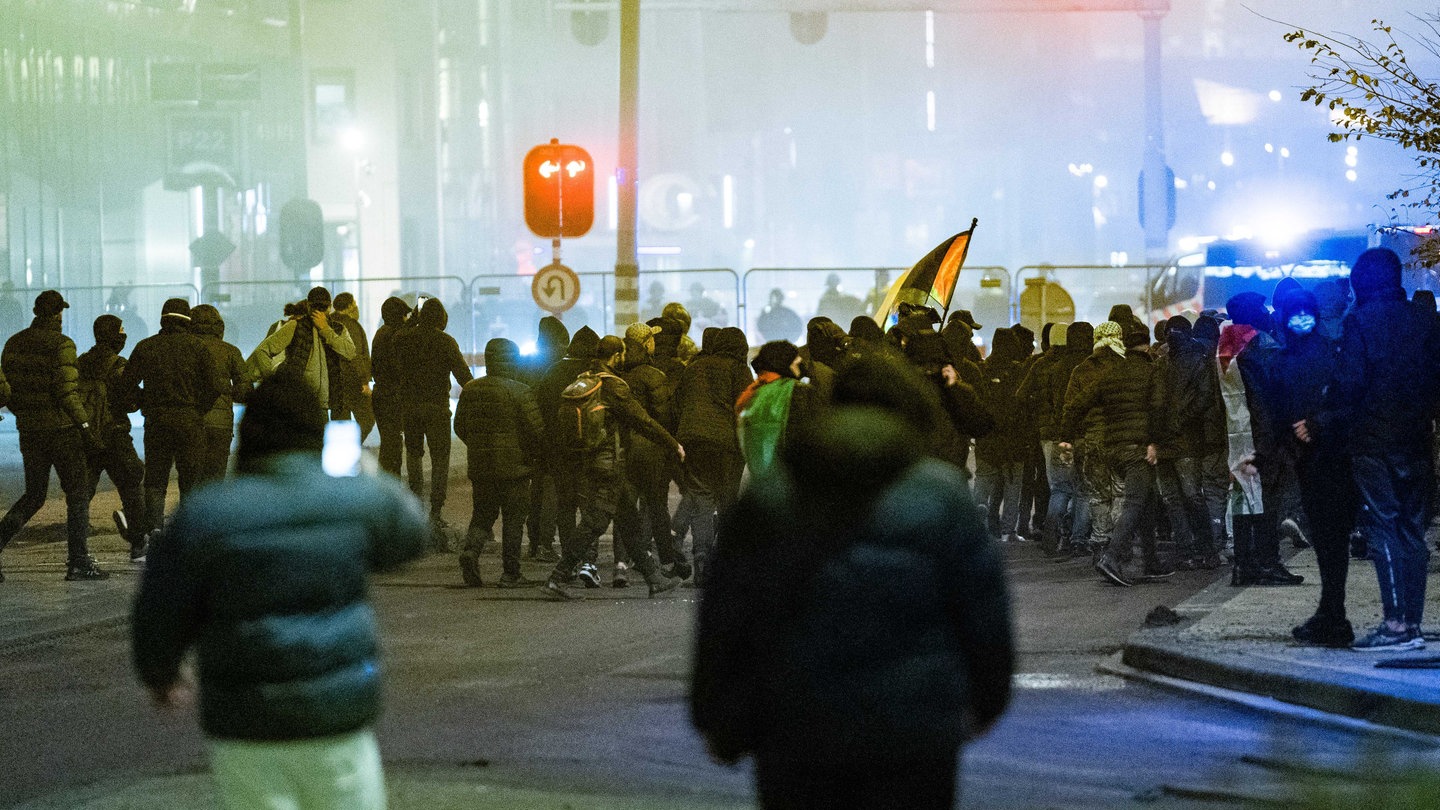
[965, 417]
[385, 399]
[54, 430]
[274, 600]
[234, 382]
[1128, 395]
[551, 341]
[499, 421]
[180, 387]
[561, 463]
[429, 358]
[100, 371]
[705, 398]
[855, 632]
[1067, 515]
[1000, 455]
[644, 511]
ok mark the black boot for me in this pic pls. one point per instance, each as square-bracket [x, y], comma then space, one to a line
[1265, 542]
[1242, 571]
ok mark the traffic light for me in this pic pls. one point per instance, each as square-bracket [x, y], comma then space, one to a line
[559, 190]
[302, 235]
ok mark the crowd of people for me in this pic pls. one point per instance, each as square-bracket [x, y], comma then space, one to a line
[1214, 434]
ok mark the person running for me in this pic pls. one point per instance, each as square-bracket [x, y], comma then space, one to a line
[99, 387]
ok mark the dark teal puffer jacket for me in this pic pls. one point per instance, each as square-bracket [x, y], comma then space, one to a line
[275, 598]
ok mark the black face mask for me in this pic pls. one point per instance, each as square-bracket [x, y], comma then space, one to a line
[114, 343]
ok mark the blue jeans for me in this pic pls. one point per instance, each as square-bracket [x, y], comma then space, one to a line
[1396, 489]
[1064, 497]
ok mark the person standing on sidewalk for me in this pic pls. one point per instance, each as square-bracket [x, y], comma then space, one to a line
[499, 422]
[385, 399]
[274, 601]
[99, 386]
[171, 377]
[429, 358]
[602, 415]
[1303, 370]
[1384, 397]
[354, 378]
[54, 428]
[234, 383]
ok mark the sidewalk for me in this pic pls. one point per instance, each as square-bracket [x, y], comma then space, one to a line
[1239, 639]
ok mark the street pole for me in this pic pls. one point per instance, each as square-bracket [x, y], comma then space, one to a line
[627, 267]
[1158, 187]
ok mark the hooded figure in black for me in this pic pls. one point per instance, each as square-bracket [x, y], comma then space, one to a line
[965, 416]
[855, 633]
[1000, 455]
[234, 382]
[499, 421]
[1382, 403]
[559, 465]
[705, 400]
[1190, 436]
[100, 370]
[385, 397]
[429, 358]
[552, 340]
[1303, 371]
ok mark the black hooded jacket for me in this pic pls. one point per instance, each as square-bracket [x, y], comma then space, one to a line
[563, 372]
[428, 357]
[385, 363]
[1192, 412]
[233, 378]
[706, 393]
[551, 341]
[498, 418]
[178, 371]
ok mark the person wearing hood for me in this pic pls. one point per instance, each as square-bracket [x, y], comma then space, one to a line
[180, 386]
[1303, 369]
[825, 344]
[1082, 437]
[552, 339]
[353, 380]
[963, 416]
[600, 417]
[666, 356]
[1035, 396]
[1382, 401]
[705, 398]
[855, 633]
[546, 523]
[430, 358]
[498, 419]
[1124, 315]
[1248, 354]
[310, 344]
[1192, 419]
[1332, 299]
[1000, 455]
[770, 407]
[385, 399]
[114, 454]
[643, 515]
[54, 428]
[234, 382]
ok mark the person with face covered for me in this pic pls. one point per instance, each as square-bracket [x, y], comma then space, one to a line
[1192, 429]
[430, 357]
[311, 345]
[770, 406]
[385, 400]
[100, 369]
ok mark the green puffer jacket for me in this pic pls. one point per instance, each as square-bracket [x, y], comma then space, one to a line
[265, 574]
[39, 363]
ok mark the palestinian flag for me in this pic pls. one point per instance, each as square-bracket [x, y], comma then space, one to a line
[931, 282]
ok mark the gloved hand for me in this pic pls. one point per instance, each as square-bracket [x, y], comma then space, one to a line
[91, 437]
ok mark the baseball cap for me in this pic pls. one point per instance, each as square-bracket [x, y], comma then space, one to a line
[50, 302]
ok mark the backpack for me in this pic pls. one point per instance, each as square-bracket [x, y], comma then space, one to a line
[582, 417]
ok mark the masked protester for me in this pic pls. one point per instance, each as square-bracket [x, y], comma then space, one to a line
[771, 406]
[99, 387]
[385, 399]
[54, 428]
[234, 383]
[309, 345]
[429, 358]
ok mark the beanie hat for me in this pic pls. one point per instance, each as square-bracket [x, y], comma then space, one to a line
[1059, 334]
[49, 303]
[1376, 269]
[1248, 308]
[175, 308]
[1135, 334]
[776, 357]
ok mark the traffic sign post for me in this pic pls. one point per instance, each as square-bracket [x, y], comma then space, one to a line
[555, 288]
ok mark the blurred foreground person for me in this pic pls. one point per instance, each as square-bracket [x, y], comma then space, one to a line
[275, 602]
[854, 631]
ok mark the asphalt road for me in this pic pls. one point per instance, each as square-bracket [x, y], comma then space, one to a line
[500, 699]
